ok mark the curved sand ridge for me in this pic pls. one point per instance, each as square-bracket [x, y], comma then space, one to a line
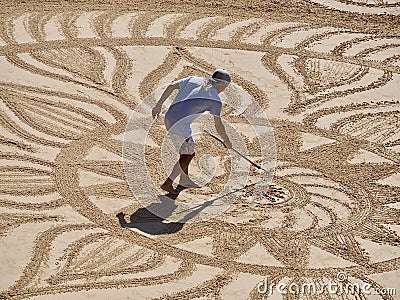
[71, 76]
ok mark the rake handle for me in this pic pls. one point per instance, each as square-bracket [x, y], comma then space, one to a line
[234, 150]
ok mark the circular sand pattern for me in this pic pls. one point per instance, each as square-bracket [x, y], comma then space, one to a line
[143, 177]
[71, 74]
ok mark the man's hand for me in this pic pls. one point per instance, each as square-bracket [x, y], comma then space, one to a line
[156, 111]
[228, 144]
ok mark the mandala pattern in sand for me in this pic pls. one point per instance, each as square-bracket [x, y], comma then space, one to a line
[72, 75]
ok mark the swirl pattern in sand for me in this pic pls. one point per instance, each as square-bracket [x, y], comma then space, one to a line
[325, 74]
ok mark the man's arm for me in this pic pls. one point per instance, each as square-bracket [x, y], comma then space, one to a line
[168, 91]
[222, 132]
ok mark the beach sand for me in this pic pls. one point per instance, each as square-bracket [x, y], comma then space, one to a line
[314, 97]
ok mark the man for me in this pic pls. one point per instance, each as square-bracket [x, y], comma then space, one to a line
[196, 95]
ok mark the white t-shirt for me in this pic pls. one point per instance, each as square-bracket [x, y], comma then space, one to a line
[191, 87]
[191, 101]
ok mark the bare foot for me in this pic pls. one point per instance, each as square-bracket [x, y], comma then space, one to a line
[169, 188]
[188, 183]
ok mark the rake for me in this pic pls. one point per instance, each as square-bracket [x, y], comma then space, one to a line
[237, 152]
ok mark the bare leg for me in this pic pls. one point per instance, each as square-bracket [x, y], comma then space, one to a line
[180, 168]
[167, 185]
[184, 163]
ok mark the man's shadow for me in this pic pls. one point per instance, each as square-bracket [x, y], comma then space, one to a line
[148, 222]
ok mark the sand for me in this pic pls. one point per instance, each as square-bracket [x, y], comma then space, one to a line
[314, 98]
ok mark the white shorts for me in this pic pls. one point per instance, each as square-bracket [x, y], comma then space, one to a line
[183, 145]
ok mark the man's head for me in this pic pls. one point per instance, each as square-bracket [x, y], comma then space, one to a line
[222, 74]
[221, 79]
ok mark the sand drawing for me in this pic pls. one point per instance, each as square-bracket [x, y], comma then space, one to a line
[325, 74]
